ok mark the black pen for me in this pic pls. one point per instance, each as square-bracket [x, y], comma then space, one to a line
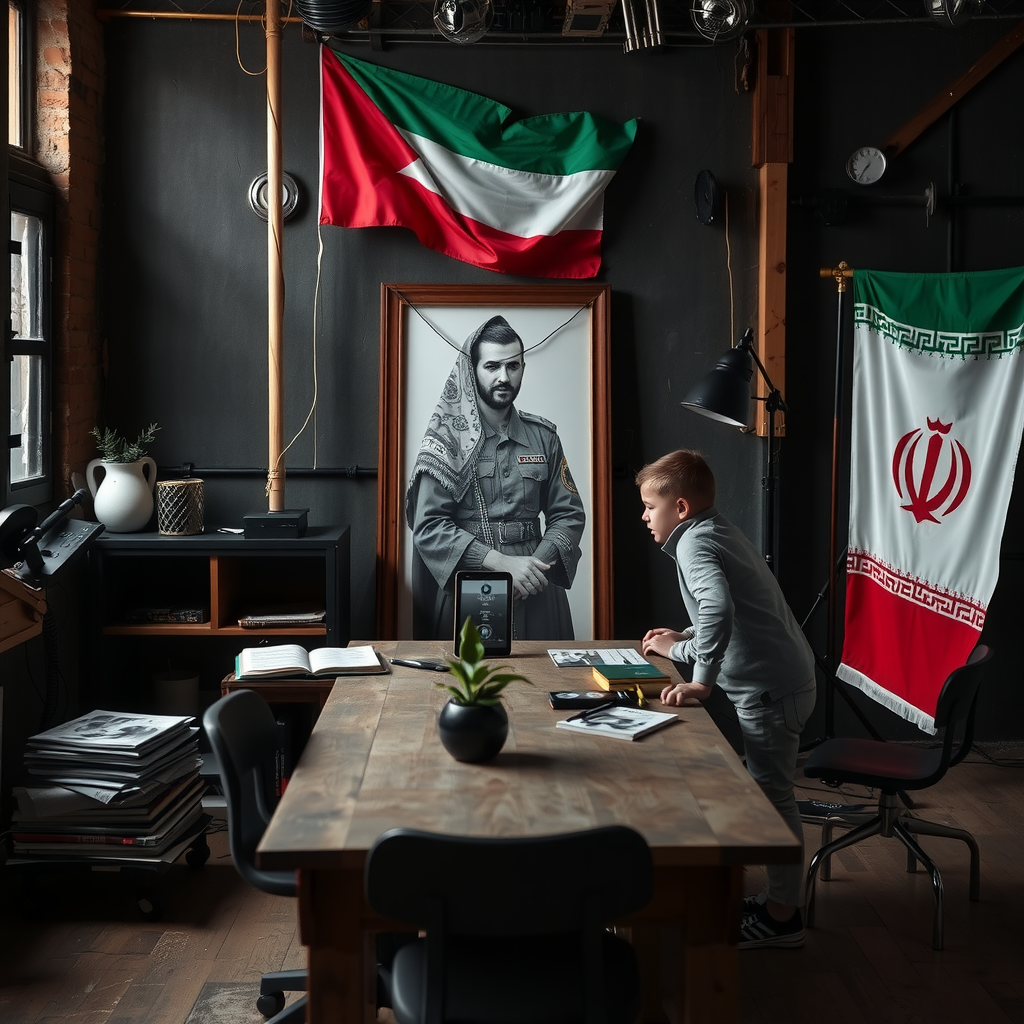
[593, 711]
[429, 665]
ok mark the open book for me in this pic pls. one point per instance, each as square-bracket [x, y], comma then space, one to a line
[620, 723]
[293, 660]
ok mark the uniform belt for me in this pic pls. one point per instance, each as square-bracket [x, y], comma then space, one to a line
[516, 531]
[508, 531]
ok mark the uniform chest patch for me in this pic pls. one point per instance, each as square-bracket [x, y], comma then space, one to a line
[532, 460]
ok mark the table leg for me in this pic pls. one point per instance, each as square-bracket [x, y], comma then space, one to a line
[330, 925]
[698, 945]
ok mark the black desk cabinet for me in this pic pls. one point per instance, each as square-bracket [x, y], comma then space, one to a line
[221, 577]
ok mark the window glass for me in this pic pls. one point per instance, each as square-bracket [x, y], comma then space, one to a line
[27, 419]
[15, 94]
[27, 276]
[29, 349]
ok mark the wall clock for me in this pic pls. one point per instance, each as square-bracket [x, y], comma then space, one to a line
[866, 165]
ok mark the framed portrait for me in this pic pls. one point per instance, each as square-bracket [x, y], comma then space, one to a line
[565, 334]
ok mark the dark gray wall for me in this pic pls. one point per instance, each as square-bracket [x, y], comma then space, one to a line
[185, 269]
[184, 265]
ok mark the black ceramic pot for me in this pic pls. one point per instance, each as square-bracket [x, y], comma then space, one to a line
[472, 733]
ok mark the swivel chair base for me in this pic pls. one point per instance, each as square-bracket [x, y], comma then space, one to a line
[890, 823]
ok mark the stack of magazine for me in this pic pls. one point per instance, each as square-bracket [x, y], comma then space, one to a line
[110, 785]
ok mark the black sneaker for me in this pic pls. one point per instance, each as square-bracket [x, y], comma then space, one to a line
[751, 903]
[759, 928]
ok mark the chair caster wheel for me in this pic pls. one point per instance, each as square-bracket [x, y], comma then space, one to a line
[270, 1003]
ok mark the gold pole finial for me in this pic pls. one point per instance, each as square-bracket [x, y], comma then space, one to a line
[840, 274]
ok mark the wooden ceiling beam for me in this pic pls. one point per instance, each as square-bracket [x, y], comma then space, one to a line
[771, 154]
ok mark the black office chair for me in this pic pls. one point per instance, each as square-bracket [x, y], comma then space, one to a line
[514, 927]
[893, 768]
[244, 735]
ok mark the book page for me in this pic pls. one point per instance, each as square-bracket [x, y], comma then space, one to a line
[344, 659]
[278, 658]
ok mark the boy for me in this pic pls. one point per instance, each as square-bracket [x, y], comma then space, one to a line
[744, 639]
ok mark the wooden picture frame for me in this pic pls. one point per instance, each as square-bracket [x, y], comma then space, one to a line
[423, 327]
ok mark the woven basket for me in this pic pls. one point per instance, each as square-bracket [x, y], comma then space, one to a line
[179, 507]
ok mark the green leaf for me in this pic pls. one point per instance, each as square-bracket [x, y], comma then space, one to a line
[473, 681]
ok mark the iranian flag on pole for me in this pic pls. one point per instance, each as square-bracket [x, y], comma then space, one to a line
[938, 409]
[525, 197]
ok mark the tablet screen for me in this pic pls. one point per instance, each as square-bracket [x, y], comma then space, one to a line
[486, 597]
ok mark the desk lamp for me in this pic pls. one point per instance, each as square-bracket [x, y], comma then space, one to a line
[724, 395]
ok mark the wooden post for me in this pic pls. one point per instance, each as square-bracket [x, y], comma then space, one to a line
[275, 272]
[771, 153]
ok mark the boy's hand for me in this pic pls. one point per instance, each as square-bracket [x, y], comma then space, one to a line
[660, 641]
[683, 695]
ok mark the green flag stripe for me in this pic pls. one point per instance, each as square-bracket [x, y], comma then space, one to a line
[962, 303]
[474, 126]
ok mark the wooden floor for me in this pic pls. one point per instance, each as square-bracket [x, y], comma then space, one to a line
[79, 953]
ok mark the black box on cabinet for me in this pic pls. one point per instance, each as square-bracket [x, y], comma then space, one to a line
[289, 522]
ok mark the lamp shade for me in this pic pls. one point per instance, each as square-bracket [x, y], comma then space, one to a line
[724, 393]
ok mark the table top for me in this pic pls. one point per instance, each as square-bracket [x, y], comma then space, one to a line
[374, 762]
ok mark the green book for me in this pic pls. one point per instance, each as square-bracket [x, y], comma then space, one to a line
[611, 677]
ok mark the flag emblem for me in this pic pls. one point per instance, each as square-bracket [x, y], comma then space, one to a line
[935, 480]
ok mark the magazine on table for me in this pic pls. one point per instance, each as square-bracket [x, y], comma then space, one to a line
[588, 657]
[620, 723]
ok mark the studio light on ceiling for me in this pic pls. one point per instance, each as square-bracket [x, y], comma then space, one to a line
[720, 20]
[330, 17]
[952, 13]
[463, 21]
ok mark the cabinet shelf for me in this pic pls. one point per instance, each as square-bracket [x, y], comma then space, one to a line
[220, 577]
[207, 629]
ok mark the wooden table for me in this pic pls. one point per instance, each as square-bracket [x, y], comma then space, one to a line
[374, 762]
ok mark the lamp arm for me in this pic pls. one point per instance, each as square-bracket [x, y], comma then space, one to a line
[774, 400]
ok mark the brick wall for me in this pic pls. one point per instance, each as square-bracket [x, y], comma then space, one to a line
[69, 144]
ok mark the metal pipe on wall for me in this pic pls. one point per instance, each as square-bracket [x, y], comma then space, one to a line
[275, 270]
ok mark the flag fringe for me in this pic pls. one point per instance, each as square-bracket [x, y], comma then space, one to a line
[887, 699]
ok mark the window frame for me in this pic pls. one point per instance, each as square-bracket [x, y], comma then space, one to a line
[26, 79]
[35, 199]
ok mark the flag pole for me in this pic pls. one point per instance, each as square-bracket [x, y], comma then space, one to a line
[841, 275]
[275, 273]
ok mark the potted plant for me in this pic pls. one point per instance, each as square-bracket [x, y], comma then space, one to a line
[122, 479]
[115, 447]
[473, 725]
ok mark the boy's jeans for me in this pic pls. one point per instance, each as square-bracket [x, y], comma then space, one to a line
[771, 742]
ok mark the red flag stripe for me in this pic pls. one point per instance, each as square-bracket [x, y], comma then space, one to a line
[903, 646]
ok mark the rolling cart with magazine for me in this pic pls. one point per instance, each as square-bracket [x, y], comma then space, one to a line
[111, 793]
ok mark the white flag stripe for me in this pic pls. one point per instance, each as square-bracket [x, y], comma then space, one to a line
[980, 398]
[516, 202]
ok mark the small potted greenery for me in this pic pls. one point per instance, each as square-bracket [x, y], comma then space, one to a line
[122, 479]
[115, 447]
[473, 725]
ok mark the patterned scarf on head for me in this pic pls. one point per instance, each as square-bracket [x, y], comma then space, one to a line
[451, 444]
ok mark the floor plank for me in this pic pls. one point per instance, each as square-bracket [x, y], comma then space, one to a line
[81, 954]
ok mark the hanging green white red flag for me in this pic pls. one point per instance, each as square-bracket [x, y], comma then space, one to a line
[938, 380]
[518, 197]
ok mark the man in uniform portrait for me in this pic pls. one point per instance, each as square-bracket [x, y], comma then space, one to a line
[485, 475]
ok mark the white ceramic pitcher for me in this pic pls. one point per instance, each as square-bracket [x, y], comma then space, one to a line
[122, 493]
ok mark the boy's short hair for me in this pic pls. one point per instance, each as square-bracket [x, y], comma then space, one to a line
[682, 474]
